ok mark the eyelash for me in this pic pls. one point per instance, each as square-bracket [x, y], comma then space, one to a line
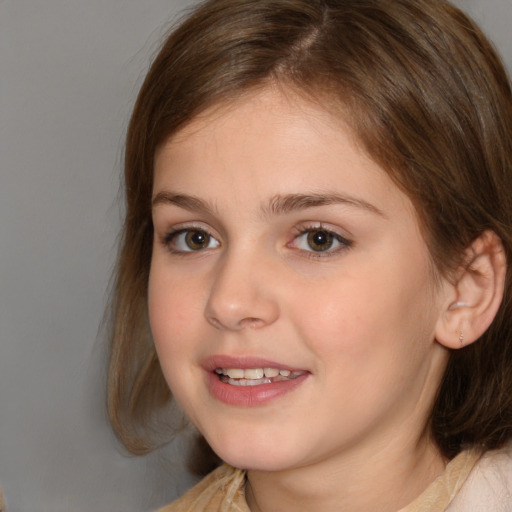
[170, 239]
[343, 243]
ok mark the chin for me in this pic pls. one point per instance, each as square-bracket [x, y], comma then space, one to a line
[257, 463]
[254, 456]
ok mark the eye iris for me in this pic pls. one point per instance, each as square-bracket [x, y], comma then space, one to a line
[320, 240]
[197, 240]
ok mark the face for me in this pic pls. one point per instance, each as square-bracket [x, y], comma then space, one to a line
[291, 294]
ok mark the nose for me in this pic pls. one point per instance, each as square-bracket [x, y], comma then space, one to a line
[242, 295]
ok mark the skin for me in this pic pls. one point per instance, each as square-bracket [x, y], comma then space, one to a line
[359, 318]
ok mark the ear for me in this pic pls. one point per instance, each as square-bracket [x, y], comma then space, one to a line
[474, 298]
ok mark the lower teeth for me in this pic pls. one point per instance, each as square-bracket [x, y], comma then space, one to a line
[254, 382]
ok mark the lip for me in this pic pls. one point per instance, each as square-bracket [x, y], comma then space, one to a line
[251, 396]
[245, 362]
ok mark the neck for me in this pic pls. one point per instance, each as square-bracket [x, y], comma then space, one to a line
[384, 480]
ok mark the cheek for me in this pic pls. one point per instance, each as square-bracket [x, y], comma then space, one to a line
[338, 315]
[173, 319]
[370, 355]
[173, 310]
[374, 322]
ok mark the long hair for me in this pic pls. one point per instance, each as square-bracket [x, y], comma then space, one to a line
[429, 100]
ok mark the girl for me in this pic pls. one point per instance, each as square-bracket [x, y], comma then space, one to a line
[314, 259]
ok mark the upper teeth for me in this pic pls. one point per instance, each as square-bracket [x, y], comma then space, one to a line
[252, 373]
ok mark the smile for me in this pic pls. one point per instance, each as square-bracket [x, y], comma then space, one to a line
[255, 376]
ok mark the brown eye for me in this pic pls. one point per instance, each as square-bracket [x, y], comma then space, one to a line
[190, 240]
[320, 240]
[197, 240]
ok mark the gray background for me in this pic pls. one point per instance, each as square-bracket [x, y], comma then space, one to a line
[69, 73]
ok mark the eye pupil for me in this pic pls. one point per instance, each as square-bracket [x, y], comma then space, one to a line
[320, 240]
[197, 240]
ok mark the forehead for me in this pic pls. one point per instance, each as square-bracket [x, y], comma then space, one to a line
[272, 104]
[268, 143]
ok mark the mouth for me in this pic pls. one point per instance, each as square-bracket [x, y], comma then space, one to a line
[255, 376]
[247, 381]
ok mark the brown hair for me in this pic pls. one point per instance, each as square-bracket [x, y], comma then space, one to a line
[430, 101]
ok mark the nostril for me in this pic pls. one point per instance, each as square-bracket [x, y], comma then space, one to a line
[215, 323]
[238, 301]
[244, 323]
[252, 323]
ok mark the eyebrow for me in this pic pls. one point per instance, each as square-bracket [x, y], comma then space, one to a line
[188, 202]
[283, 204]
[277, 205]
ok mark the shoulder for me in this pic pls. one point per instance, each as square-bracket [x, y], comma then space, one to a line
[489, 485]
[222, 490]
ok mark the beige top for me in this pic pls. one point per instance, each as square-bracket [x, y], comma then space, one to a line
[470, 483]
